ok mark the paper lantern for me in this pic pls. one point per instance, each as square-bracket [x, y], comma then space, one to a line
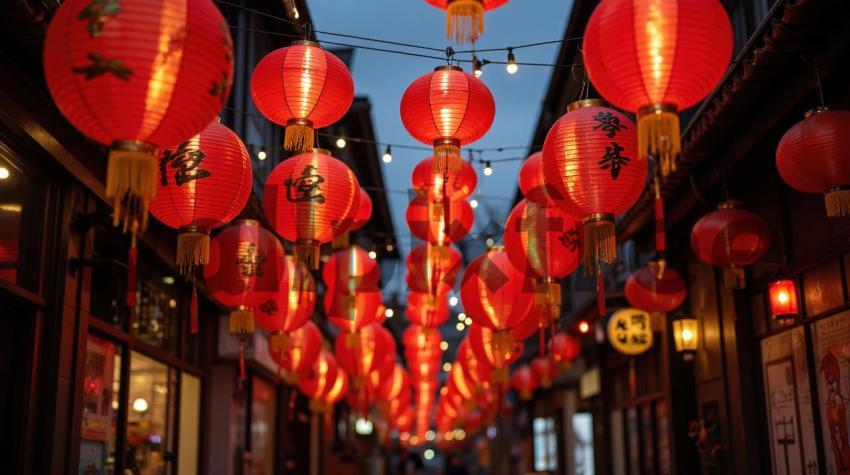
[335, 392]
[360, 358]
[426, 310]
[494, 293]
[564, 348]
[630, 331]
[465, 18]
[433, 269]
[352, 312]
[669, 55]
[497, 353]
[303, 88]
[783, 301]
[812, 158]
[245, 269]
[138, 76]
[532, 183]
[529, 325]
[351, 270]
[395, 385]
[445, 185]
[589, 163]
[425, 219]
[362, 215]
[524, 382]
[447, 108]
[656, 289]
[478, 372]
[299, 351]
[320, 377]
[310, 199]
[203, 184]
[545, 369]
[290, 307]
[732, 238]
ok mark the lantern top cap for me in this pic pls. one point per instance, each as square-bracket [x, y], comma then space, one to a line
[448, 67]
[217, 119]
[246, 222]
[496, 248]
[322, 151]
[305, 43]
[729, 204]
[586, 103]
[815, 111]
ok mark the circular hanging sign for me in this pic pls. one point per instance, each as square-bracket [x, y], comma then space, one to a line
[630, 331]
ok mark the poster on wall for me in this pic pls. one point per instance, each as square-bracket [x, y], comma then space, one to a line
[789, 406]
[831, 338]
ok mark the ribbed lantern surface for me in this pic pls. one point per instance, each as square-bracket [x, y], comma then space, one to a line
[655, 289]
[443, 185]
[300, 352]
[310, 199]
[564, 348]
[320, 377]
[350, 313]
[203, 184]
[494, 293]
[524, 382]
[426, 310]
[425, 219]
[304, 88]
[351, 270]
[532, 183]
[433, 269]
[812, 158]
[543, 240]
[293, 303]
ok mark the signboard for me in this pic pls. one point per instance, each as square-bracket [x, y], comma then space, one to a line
[831, 338]
[589, 383]
[630, 331]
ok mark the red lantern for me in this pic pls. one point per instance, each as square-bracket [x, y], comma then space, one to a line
[293, 303]
[320, 377]
[427, 311]
[447, 108]
[545, 369]
[465, 18]
[335, 391]
[303, 88]
[358, 358]
[300, 352]
[783, 301]
[310, 199]
[351, 270]
[528, 326]
[138, 76]
[670, 55]
[524, 382]
[655, 288]
[497, 353]
[433, 269]
[589, 163]
[395, 385]
[426, 220]
[443, 186]
[352, 312]
[477, 371]
[494, 293]
[203, 184]
[404, 421]
[532, 183]
[245, 269]
[730, 238]
[422, 351]
[565, 348]
[812, 158]
[362, 216]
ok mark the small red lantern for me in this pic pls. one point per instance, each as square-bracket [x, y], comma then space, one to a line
[532, 183]
[351, 270]
[447, 108]
[335, 392]
[649, 73]
[433, 269]
[783, 301]
[465, 18]
[731, 238]
[351, 312]
[300, 352]
[310, 199]
[427, 310]
[655, 288]
[291, 306]
[303, 88]
[545, 369]
[320, 377]
[497, 353]
[444, 186]
[426, 220]
[812, 158]
[524, 382]
[477, 371]
[203, 184]
[359, 359]
[565, 348]
[362, 216]
[395, 385]
[494, 293]
[138, 76]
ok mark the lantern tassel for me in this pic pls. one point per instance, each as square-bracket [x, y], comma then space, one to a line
[193, 249]
[131, 175]
[838, 203]
[542, 343]
[278, 343]
[307, 253]
[500, 376]
[352, 340]
[193, 311]
[241, 321]
[242, 371]
[503, 346]
[464, 20]
[660, 231]
[298, 136]
[659, 136]
[341, 242]
[600, 295]
[132, 263]
[447, 156]
[600, 241]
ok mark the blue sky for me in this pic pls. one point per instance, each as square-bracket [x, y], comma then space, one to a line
[384, 77]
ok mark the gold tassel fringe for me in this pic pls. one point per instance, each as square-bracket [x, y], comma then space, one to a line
[464, 20]
[352, 340]
[548, 295]
[298, 136]
[241, 321]
[503, 346]
[659, 136]
[279, 343]
[341, 242]
[446, 157]
[838, 203]
[193, 249]
[131, 176]
[437, 211]
[307, 254]
[600, 242]
[500, 376]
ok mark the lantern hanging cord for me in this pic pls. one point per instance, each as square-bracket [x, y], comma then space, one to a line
[818, 83]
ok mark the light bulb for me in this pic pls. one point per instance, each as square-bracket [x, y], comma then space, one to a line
[476, 66]
[340, 142]
[468, 321]
[583, 327]
[687, 334]
[488, 169]
[428, 454]
[460, 327]
[474, 203]
[430, 435]
[447, 367]
[490, 242]
[388, 154]
[262, 154]
[373, 254]
[390, 247]
[453, 301]
[511, 67]
[444, 345]
[140, 405]
[389, 312]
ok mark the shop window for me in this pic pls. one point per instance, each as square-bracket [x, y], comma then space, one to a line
[582, 423]
[190, 423]
[263, 415]
[150, 416]
[158, 307]
[109, 276]
[15, 190]
[101, 388]
[545, 445]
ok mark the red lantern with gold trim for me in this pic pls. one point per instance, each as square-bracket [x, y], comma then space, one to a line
[203, 184]
[433, 269]
[657, 289]
[477, 371]
[425, 219]
[497, 353]
[310, 199]
[351, 312]
[320, 377]
[812, 158]
[138, 76]
[564, 349]
[532, 183]
[291, 305]
[465, 18]
[361, 216]
[300, 351]
[524, 382]
[351, 270]
[443, 186]
[670, 55]
[358, 359]
[427, 310]
[303, 88]
[447, 108]
[732, 238]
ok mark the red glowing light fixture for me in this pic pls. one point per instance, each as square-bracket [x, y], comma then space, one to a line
[783, 301]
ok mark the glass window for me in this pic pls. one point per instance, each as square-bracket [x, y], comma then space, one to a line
[583, 447]
[101, 387]
[190, 423]
[158, 306]
[150, 417]
[109, 276]
[545, 445]
[12, 186]
[263, 414]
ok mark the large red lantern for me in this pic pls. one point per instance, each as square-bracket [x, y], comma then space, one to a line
[731, 238]
[433, 269]
[532, 183]
[564, 348]
[524, 382]
[447, 108]
[589, 163]
[812, 158]
[291, 305]
[351, 270]
[203, 184]
[427, 310]
[426, 221]
[465, 18]
[494, 293]
[351, 312]
[303, 88]
[320, 377]
[669, 55]
[655, 288]
[495, 352]
[443, 186]
[245, 269]
[300, 351]
[310, 199]
[138, 76]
